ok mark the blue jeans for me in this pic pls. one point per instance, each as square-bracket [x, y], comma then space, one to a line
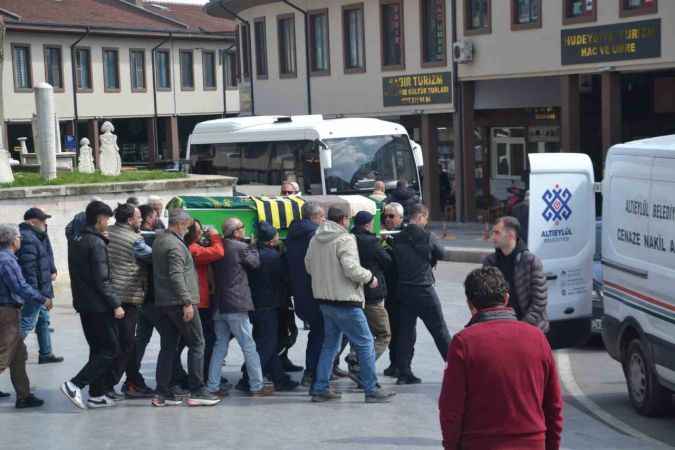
[36, 317]
[351, 321]
[239, 326]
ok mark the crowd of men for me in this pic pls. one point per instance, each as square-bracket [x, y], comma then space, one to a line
[200, 289]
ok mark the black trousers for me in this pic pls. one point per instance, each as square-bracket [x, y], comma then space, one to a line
[126, 359]
[206, 317]
[266, 335]
[101, 333]
[422, 302]
[393, 307]
[173, 328]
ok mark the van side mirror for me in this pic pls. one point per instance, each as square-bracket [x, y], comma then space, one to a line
[417, 154]
[326, 158]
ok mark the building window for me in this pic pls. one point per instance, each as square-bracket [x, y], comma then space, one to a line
[391, 34]
[287, 60]
[477, 17]
[137, 65]
[54, 67]
[83, 69]
[245, 50]
[23, 76]
[260, 35]
[579, 11]
[187, 70]
[319, 42]
[433, 32]
[163, 63]
[525, 14]
[629, 8]
[111, 70]
[209, 70]
[230, 68]
[353, 38]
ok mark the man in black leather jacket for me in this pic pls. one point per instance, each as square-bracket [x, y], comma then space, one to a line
[98, 306]
[416, 252]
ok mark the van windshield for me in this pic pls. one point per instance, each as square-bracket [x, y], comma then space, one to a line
[360, 161]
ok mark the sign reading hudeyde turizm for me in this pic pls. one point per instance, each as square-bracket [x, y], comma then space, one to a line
[420, 89]
[616, 42]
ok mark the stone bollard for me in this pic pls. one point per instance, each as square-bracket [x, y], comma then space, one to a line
[46, 131]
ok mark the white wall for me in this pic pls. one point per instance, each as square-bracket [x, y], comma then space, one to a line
[19, 106]
[340, 93]
[505, 53]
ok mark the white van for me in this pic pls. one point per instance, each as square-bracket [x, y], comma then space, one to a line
[638, 245]
[325, 156]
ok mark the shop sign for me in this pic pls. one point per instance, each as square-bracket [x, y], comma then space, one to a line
[617, 42]
[420, 89]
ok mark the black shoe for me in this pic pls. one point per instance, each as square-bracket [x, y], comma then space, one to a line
[160, 401]
[307, 379]
[391, 371]
[289, 366]
[339, 373]
[202, 397]
[131, 391]
[112, 394]
[29, 402]
[408, 379]
[354, 376]
[243, 386]
[380, 396]
[224, 381]
[5, 394]
[49, 359]
[179, 392]
[286, 386]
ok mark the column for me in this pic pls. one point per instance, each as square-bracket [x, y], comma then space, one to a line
[172, 138]
[93, 132]
[467, 185]
[570, 114]
[611, 110]
[430, 188]
[151, 125]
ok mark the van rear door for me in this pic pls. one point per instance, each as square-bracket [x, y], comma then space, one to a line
[562, 234]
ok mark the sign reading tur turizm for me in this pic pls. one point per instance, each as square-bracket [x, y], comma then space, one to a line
[617, 42]
[421, 89]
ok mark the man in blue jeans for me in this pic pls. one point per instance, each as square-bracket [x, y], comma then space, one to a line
[332, 261]
[36, 259]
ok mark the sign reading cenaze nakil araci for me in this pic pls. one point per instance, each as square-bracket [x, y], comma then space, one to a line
[420, 89]
[617, 42]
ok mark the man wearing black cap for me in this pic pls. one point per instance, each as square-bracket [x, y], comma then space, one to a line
[36, 259]
[376, 259]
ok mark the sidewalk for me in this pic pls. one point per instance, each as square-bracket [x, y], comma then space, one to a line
[465, 240]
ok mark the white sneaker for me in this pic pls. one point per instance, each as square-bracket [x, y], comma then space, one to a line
[100, 402]
[73, 393]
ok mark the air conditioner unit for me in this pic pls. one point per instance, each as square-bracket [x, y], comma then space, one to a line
[462, 52]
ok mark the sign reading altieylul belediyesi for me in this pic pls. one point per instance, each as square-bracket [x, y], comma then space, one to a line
[616, 42]
[421, 89]
[651, 241]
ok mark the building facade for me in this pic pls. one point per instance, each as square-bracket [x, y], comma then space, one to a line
[377, 58]
[153, 70]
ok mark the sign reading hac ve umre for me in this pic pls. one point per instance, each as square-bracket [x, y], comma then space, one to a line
[420, 89]
[616, 42]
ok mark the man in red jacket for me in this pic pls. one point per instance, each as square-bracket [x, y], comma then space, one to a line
[500, 388]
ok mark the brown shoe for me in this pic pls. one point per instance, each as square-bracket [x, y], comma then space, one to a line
[266, 391]
[222, 393]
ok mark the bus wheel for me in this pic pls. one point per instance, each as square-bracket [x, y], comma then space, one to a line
[648, 397]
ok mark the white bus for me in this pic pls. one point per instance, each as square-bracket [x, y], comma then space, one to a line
[325, 156]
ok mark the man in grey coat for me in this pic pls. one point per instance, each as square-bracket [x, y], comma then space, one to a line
[176, 300]
[232, 304]
[523, 271]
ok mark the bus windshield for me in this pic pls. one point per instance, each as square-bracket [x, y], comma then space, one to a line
[360, 161]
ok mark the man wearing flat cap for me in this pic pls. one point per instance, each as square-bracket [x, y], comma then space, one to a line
[36, 259]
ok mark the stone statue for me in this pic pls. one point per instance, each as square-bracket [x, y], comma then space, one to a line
[111, 162]
[86, 161]
[6, 175]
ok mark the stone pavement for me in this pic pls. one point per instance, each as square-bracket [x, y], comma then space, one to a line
[285, 421]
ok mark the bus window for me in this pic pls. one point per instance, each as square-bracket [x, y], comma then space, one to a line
[215, 159]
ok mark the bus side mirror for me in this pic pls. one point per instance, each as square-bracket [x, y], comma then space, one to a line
[326, 158]
[417, 154]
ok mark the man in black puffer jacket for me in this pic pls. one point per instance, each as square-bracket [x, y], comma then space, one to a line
[98, 306]
[36, 259]
[416, 252]
[376, 259]
[523, 271]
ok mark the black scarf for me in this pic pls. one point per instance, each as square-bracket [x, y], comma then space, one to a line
[490, 314]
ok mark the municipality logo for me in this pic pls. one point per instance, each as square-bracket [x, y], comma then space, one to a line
[557, 204]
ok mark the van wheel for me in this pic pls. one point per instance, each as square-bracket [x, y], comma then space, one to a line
[648, 397]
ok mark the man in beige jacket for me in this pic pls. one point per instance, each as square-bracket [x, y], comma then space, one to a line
[332, 260]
